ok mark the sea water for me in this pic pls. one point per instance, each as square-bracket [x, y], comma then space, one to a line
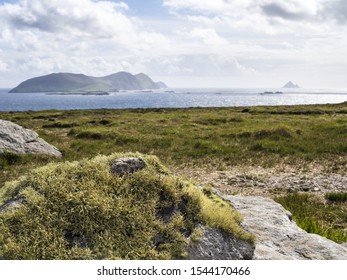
[171, 98]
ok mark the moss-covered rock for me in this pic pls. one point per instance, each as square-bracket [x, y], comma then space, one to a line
[82, 210]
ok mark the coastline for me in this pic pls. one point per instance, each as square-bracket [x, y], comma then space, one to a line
[178, 98]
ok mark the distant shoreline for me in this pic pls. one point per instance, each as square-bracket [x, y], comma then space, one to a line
[78, 93]
[242, 109]
[175, 98]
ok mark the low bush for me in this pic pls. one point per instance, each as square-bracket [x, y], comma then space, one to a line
[336, 196]
[8, 158]
[60, 125]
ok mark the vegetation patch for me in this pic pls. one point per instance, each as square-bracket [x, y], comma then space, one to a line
[315, 216]
[198, 135]
[8, 158]
[274, 134]
[80, 210]
[60, 125]
[213, 139]
[336, 197]
[217, 213]
[217, 120]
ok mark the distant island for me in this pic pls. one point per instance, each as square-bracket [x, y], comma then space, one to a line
[79, 83]
[290, 85]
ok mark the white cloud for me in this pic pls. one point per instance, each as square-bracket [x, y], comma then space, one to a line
[40, 36]
[336, 10]
[82, 18]
[285, 37]
[203, 40]
[260, 16]
[240, 6]
[3, 65]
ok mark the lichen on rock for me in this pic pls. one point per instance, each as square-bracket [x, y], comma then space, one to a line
[123, 166]
[83, 210]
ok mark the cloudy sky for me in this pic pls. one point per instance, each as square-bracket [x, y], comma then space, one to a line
[186, 43]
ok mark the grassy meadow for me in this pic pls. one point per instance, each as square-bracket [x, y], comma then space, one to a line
[208, 138]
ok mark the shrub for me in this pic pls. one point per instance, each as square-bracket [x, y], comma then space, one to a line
[8, 158]
[60, 125]
[336, 196]
[275, 133]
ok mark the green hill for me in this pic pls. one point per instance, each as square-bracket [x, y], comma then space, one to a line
[68, 82]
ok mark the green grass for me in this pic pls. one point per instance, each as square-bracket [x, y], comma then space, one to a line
[209, 138]
[336, 197]
[8, 159]
[264, 136]
[315, 216]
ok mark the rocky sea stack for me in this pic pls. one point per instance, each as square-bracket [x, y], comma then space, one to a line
[290, 85]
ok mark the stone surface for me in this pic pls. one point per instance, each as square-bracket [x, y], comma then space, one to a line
[123, 166]
[16, 139]
[12, 204]
[278, 237]
[215, 244]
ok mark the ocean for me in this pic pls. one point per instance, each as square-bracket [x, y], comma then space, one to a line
[171, 98]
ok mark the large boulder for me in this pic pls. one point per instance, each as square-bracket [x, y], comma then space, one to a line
[16, 139]
[278, 236]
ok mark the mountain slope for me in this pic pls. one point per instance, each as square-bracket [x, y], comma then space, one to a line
[68, 82]
[161, 84]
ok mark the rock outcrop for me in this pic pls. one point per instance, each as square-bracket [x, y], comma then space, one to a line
[215, 244]
[16, 139]
[123, 166]
[278, 236]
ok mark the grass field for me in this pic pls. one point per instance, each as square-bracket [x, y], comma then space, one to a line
[210, 138]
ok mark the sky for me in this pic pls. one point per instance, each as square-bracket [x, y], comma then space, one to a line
[185, 43]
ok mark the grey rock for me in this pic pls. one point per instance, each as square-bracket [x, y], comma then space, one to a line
[278, 237]
[16, 139]
[215, 244]
[123, 166]
[11, 205]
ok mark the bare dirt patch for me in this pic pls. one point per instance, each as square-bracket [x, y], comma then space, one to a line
[268, 182]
